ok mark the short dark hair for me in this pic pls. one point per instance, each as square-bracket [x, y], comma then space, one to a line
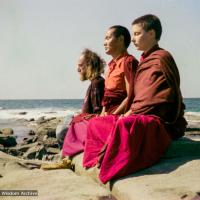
[121, 30]
[150, 22]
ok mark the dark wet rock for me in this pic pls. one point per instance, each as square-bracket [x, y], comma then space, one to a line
[183, 147]
[31, 120]
[51, 150]
[22, 113]
[7, 140]
[29, 140]
[52, 118]
[50, 142]
[36, 152]
[21, 149]
[14, 152]
[7, 131]
[24, 148]
[51, 133]
[31, 132]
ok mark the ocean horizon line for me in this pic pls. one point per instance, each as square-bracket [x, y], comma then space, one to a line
[68, 98]
[44, 99]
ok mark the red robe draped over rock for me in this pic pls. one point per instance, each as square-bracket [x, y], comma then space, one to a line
[124, 145]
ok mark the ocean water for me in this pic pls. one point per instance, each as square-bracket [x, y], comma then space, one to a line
[13, 112]
[16, 109]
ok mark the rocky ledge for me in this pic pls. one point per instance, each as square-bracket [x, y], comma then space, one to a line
[39, 142]
[175, 177]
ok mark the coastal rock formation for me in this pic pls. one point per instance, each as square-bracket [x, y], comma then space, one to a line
[175, 177]
[6, 131]
[19, 174]
[39, 141]
[7, 140]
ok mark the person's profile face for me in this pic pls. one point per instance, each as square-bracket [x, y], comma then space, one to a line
[141, 39]
[111, 42]
[81, 67]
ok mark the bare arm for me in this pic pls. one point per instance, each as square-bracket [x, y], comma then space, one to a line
[120, 109]
[103, 112]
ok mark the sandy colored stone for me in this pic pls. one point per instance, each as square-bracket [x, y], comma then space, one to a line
[174, 177]
[56, 184]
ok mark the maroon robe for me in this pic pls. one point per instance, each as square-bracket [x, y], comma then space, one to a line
[74, 139]
[157, 91]
[125, 145]
[113, 98]
[93, 97]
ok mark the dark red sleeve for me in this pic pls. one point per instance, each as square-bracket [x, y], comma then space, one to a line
[130, 67]
[97, 92]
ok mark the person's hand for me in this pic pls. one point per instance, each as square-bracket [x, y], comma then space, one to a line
[129, 112]
[88, 116]
[121, 116]
[103, 114]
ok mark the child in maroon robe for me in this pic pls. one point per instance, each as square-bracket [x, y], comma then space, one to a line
[123, 145]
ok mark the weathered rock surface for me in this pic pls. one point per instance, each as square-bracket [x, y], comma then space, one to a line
[7, 140]
[176, 176]
[39, 141]
[16, 174]
[6, 131]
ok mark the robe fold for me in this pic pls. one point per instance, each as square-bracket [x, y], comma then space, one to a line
[132, 143]
[157, 89]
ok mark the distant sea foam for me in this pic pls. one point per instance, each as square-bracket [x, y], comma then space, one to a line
[27, 109]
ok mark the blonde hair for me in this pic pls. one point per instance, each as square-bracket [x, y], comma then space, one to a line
[94, 63]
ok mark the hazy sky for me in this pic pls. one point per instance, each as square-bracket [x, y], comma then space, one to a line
[40, 41]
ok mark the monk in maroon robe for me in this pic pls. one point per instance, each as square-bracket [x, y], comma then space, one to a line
[123, 145]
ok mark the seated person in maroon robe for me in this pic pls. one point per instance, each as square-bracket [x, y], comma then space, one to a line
[123, 145]
[121, 70]
[90, 67]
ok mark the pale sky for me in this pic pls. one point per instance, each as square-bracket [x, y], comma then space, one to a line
[40, 41]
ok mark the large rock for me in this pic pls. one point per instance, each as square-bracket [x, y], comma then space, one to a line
[176, 176]
[51, 150]
[55, 184]
[183, 147]
[6, 131]
[29, 140]
[7, 140]
[50, 142]
[35, 152]
[19, 150]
